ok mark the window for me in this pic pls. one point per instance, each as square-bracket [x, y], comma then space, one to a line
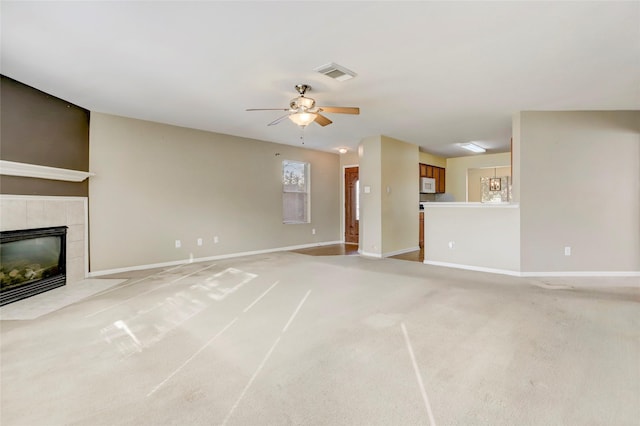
[295, 192]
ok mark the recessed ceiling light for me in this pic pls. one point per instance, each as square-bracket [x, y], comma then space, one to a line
[342, 150]
[472, 147]
[335, 71]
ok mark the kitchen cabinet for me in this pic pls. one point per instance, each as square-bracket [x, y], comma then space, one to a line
[438, 173]
[421, 238]
[440, 181]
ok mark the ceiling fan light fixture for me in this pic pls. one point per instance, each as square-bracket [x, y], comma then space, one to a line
[303, 118]
[303, 111]
[302, 102]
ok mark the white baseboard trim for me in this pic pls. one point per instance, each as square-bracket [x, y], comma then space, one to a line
[403, 251]
[582, 274]
[94, 274]
[368, 254]
[472, 268]
[536, 274]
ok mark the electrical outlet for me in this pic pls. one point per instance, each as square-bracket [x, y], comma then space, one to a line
[178, 244]
[313, 231]
[216, 240]
[199, 241]
[452, 245]
[567, 251]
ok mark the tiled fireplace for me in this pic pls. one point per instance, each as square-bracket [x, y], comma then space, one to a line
[18, 212]
[32, 261]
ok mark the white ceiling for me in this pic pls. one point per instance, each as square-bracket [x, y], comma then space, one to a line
[431, 73]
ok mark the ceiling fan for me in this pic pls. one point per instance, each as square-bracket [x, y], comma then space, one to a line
[303, 111]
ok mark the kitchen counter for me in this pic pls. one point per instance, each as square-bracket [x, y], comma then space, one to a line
[467, 205]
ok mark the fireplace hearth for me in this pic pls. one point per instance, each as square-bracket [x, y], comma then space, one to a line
[32, 261]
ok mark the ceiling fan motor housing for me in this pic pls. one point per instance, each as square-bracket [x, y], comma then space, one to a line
[302, 88]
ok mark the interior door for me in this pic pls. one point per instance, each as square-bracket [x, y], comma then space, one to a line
[351, 205]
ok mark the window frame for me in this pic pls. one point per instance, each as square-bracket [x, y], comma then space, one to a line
[306, 191]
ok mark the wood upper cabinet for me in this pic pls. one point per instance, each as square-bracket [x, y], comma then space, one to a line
[440, 181]
[430, 171]
[438, 173]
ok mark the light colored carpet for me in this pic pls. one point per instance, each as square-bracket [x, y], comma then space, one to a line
[53, 300]
[289, 339]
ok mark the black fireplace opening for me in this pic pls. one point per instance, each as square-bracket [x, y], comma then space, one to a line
[32, 261]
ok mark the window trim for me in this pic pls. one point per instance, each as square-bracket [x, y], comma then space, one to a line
[307, 192]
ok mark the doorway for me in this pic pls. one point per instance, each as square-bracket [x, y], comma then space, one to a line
[478, 192]
[351, 205]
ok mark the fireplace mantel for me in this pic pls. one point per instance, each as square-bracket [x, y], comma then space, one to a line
[13, 168]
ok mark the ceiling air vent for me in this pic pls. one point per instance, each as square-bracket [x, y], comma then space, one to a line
[335, 71]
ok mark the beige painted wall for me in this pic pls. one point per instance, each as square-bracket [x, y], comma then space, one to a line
[389, 212]
[474, 176]
[580, 187]
[456, 174]
[515, 158]
[483, 236]
[349, 159]
[400, 196]
[370, 169]
[157, 183]
[432, 160]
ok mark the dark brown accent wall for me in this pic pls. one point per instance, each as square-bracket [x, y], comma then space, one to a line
[38, 128]
[17, 185]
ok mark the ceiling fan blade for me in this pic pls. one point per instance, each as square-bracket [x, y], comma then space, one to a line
[322, 120]
[267, 109]
[277, 120]
[341, 110]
